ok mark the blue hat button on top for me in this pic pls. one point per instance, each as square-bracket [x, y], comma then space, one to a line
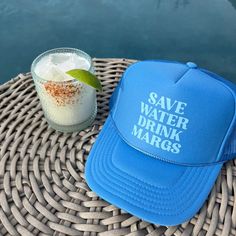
[164, 142]
[191, 65]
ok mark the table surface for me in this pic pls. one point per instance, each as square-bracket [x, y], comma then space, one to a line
[42, 185]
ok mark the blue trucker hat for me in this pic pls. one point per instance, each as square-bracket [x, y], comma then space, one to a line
[170, 129]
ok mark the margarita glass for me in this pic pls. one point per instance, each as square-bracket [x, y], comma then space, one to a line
[68, 104]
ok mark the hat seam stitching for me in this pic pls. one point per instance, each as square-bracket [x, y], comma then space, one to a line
[182, 76]
[96, 150]
[161, 187]
[145, 202]
[158, 156]
[148, 210]
[153, 185]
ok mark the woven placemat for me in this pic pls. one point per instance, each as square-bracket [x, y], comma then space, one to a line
[42, 186]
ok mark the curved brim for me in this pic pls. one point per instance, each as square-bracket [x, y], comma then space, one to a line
[153, 190]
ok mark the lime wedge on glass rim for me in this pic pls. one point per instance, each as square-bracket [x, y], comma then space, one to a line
[86, 77]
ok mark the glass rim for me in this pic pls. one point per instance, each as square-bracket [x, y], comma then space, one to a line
[54, 50]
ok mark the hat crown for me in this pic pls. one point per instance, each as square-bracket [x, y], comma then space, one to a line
[174, 112]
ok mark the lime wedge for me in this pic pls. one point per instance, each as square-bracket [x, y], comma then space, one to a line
[86, 77]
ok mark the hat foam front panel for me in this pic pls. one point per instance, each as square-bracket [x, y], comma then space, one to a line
[170, 119]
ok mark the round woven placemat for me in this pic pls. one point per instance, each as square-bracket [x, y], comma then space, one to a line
[42, 186]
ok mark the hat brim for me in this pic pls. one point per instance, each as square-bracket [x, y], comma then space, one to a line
[153, 190]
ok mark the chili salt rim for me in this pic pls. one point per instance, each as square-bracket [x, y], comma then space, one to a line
[63, 93]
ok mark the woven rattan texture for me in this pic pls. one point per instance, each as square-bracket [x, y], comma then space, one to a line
[42, 186]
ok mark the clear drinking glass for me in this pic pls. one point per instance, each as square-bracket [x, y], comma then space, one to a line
[68, 104]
